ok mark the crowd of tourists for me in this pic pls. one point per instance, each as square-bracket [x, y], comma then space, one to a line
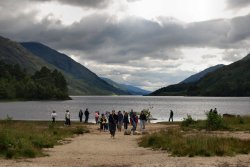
[110, 121]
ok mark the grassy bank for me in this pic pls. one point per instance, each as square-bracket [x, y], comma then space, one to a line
[215, 122]
[181, 143]
[185, 138]
[28, 138]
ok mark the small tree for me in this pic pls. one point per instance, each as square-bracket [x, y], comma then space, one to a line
[214, 121]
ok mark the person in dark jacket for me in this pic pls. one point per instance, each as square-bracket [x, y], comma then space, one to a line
[80, 115]
[113, 119]
[125, 120]
[86, 113]
[171, 117]
[120, 121]
[134, 120]
[143, 120]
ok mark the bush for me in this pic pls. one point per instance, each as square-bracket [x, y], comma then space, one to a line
[214, 121]
[80, 130]
[187, 121]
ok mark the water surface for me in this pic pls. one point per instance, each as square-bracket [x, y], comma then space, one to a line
[159, 106]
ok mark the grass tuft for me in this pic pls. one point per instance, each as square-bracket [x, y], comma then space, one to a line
[28, 138]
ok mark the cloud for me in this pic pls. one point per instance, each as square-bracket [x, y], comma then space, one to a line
[81, 3]
[131, 48]
[236, 4]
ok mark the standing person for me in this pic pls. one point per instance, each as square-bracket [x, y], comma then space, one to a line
[143, 120]
[53, 116]
[67, 118]
[113, 118]
[96, 117]
[80, 115]
[86, 113]
[215, 111]
[171, 117]
[125, 120]
[120, 121]
[107, 116]
[103, 122]
[133, 122]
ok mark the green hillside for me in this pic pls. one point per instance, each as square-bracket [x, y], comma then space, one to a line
[13, 53]
[230, 80]
[82, 81]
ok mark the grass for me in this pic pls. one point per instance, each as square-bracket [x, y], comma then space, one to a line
[239, 123]
[182, 140]
[180, 143]
[28, 138]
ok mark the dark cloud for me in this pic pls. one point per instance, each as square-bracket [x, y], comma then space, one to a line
[102, 39]
[236, 4]
[153, 48]
[81, 3]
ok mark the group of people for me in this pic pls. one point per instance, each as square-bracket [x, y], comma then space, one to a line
[110, 121]
[67, 116]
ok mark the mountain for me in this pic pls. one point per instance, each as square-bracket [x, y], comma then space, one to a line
[82, 80]
[13, 53]
[132, 90]
[33, 56]
[230, 80]
[198, 76]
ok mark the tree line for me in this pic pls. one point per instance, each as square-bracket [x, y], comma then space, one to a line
[45, 84]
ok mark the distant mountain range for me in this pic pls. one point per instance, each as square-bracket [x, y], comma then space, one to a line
[230, 80]
[127, 88]
[32, 56]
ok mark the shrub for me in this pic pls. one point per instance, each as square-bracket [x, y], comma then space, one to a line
[187, 121]
[214, 121]
[80, 130]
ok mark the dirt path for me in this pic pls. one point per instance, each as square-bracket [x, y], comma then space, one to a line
[97, 149]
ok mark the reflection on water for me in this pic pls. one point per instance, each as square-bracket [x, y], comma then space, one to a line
[160, 106]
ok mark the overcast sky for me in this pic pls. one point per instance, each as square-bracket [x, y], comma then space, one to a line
[146, 43]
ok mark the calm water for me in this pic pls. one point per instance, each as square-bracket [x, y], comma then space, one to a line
[160, 106]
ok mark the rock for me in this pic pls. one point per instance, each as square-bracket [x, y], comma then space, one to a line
[127, 132]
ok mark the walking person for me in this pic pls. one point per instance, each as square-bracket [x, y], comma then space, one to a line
[113, 118]
[53, 116]
[67, 118]
[120, 121]
[143, 120]
[125, 120]
[171, 117]
[80, 115]
[86, 113]
[133, 121]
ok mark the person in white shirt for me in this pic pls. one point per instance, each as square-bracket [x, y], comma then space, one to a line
[53, 116]
[67, 118]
